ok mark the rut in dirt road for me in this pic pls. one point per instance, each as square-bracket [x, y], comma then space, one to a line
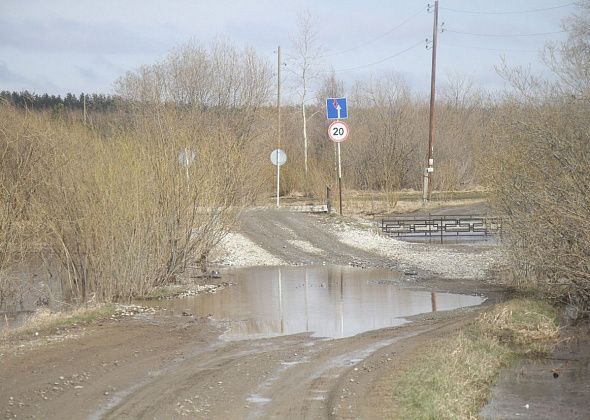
[287, 377]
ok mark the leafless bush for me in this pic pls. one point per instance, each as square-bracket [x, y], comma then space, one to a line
[119, 214]
[542, 185]
[540, 173]
[385, 155]
[19, 154]
[120, 207]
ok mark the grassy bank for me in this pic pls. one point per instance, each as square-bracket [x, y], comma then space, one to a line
[43, 322]
[453, 377]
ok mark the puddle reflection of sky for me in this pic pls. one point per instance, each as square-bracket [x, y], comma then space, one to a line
[327, 301]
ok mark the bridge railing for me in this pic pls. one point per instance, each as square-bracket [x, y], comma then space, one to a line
[435, 227]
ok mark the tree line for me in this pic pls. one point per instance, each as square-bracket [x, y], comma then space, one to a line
[71, 101]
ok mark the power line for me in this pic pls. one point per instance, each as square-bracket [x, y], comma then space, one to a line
[504, 35]
[380, 61]
[490, 49]
[518, 12]
[370, 41]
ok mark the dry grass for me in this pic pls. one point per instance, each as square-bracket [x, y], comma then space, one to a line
[378, 203]
[453, 376]
[527, 326]
[42, 321]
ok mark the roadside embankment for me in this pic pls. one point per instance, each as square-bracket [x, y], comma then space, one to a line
[452, 377]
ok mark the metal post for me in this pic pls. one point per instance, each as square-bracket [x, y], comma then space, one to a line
[432, 98]
[306, 305]
[281, 303]
[425, 186]
[340, 179]
[279, 124]
[341, 304]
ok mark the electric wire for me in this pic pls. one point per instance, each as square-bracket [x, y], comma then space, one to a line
[379, 61]
[490, 49]
[370, 41]
[519, 12]
[450, 31]
[505, 35]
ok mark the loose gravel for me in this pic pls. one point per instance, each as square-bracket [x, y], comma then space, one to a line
[434, 258]
[456, 262]
[305, 246]
[238, 251]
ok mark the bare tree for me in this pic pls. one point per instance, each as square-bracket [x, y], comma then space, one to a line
[330, 87]
[385, 127]
[221, 76]
[570, 60]
[305, 59]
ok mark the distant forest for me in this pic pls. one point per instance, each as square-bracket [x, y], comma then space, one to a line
[28, 100]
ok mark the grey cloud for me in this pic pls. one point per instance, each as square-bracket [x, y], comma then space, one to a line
[7, 76]
[60, 35]
[10, 80]
[250, 33]
[87, 73]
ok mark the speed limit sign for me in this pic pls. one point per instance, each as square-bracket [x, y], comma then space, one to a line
[338, 131]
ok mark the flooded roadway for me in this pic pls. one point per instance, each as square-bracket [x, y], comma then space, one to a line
[325, 301]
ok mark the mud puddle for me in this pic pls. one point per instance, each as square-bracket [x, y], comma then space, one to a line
[325, 301]
[553, 388]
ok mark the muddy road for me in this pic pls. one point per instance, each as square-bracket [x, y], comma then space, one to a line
[175, 365]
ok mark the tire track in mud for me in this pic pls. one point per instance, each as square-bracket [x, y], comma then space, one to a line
[284, 377]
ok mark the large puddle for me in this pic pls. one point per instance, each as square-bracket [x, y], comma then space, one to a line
[327, 301]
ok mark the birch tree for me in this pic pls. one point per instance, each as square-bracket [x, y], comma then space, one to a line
[305, 59]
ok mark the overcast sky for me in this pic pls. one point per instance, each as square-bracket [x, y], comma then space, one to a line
[60, 46]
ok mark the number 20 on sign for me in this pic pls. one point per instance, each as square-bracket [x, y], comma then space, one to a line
[338, 131]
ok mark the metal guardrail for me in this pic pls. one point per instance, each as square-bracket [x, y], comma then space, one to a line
[442, 226]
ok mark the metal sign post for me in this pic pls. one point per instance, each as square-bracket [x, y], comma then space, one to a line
[338, 132]
[278, 158]
[339, 180]
[337, 109]
[279, 64]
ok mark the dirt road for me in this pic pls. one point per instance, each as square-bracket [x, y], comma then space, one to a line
[176, 366]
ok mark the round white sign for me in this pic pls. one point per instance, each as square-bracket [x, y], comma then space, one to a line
[338, 131]
[278, 157]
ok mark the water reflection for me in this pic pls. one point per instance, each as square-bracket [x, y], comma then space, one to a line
[326, 301]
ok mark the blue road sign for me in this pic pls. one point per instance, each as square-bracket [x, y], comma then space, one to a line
[336, 108]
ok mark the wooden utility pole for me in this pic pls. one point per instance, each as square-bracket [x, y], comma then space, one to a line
[278, 122]
[429, 168]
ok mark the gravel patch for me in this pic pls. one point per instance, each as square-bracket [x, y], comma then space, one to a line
[435, 259]
[236, 250]
[305, 246]
[455, 262]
